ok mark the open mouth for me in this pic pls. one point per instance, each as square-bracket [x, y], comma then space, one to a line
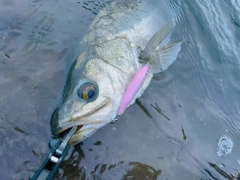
[61, 130]
[63, 133]
[58, 131]
[81, 133]
[83, 130]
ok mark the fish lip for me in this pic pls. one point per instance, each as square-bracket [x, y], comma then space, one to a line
[54, 123]
[58, 130]
[84, 132]
[81, 128]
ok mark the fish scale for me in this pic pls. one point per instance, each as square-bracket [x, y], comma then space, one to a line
[126, 43]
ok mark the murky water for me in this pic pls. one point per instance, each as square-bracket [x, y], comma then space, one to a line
[172, 132]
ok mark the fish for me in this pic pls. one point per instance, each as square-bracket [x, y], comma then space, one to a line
[127, 42]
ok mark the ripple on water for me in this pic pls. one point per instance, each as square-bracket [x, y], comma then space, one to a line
[221, 25]
[207, 70]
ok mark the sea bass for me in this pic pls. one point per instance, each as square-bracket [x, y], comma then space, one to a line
[125, 45]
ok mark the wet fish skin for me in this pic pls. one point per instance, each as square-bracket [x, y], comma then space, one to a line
[120, 35]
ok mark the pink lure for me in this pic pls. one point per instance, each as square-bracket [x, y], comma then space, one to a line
[133, 88]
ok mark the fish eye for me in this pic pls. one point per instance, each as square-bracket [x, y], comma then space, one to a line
[88, 91]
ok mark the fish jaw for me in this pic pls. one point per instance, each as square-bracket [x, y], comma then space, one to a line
[87, 123]
[82, 132]
[85, 131]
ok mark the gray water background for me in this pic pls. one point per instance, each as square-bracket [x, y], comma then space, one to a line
[171, 132]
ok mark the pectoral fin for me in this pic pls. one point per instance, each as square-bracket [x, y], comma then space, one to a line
[159, 52]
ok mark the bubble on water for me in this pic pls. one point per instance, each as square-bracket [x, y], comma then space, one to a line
[225, 146]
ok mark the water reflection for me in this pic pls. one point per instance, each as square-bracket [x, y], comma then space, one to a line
[199, 94]
[143, 108]
[220, 171]
[73, 161]
[72, 169]
[141, 171]
[160, 111]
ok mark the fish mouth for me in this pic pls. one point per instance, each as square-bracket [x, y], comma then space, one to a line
[83, 131]
[58, 131]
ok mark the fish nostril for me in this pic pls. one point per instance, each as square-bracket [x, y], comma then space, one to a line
[54, 121]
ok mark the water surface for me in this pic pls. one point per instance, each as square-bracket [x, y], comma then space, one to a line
[172, 132]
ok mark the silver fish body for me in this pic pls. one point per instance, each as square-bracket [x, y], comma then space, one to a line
[123, 37]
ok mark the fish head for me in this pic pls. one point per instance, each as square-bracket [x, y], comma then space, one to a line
[92, 100]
